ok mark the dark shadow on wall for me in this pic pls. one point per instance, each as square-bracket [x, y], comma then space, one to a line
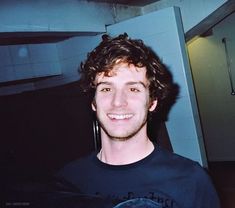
[43, 130]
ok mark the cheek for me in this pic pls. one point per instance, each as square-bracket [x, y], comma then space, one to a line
[140, 107]
[142, 101]
[100, 102]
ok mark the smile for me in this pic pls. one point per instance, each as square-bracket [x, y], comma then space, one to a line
[120, 116]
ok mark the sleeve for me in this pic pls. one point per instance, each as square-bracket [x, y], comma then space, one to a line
[66, 177]
[206, 195]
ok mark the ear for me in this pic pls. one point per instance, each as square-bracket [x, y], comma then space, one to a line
[153, 105]
[93, 105]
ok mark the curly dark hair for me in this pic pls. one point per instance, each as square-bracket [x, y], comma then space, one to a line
[105, 56]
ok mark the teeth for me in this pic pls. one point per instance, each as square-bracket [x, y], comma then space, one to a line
[120, 116]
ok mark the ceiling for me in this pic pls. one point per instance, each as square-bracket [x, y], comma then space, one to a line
[127, 2]
[9, 38]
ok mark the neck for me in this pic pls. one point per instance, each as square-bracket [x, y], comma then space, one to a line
[121, 152]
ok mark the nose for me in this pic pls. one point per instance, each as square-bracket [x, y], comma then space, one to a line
[119, 99]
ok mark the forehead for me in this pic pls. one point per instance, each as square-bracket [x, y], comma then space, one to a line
[123, 72]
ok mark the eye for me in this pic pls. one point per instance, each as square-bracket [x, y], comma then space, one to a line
[134, 89]
[105, 89]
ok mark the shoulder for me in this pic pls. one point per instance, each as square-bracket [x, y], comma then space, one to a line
[74, 167]
[181, 165]
[170, 157]
[192, 176]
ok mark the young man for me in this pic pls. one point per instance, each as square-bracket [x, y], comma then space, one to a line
[129, 82]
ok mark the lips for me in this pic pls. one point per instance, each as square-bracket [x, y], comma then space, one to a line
[120, 116]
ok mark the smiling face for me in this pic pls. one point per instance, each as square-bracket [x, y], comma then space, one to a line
[122, 102]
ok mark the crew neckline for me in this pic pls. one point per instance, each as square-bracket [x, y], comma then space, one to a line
[125, 166]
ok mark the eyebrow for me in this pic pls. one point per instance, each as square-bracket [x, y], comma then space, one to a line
[128, 83]
[105, 83]
[137, 83]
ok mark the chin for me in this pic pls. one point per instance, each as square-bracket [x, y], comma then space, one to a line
[121, 137]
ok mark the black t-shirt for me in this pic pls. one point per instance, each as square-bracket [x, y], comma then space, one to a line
[162, 179]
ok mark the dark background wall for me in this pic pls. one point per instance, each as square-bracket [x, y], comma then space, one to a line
[43, 130]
